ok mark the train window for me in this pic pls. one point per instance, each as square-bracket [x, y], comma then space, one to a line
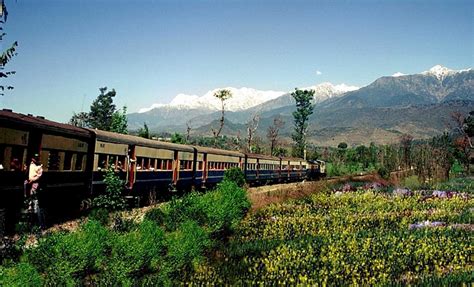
[79, 159]
[199, 165]
[102, 162]
[3, 164]
[54, 160]
[121, 163]
[159, 162]
[67, 161]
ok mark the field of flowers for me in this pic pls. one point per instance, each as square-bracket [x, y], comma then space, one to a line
[351, 236]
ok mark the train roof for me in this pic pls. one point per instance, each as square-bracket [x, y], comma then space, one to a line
[135, 140]
[218, 151]
[262, 156]
[38, 122]
[292, 159]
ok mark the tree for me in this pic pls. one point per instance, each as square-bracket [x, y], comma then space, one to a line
[222, 95]
[406, 144]
[304, 108]
[273, 132]
[144, 132]
[188, 130]
[102, 110]
[119, 122]
[342, 145]
[463, 131]
[80, 120]
[8, 53]
[252, 126]
[178, 138]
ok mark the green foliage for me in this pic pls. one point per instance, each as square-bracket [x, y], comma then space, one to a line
[457, 184]
[357, 238]
[144, 132]
[22, 274]
[102, 110]
[7, 54]
[186, 245]
[304, 108]
[171, 241]
[469, 124]
[236, 175]
[65, 258]
[383, 172]
[178, 138]
[112, 199]
[100, 215]
[411, 182]
[342, 145]
[119, 122]
[135, 253]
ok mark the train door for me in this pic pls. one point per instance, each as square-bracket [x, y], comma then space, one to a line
[131, 167]
[204, 168]
[175, 168]
[34, 145]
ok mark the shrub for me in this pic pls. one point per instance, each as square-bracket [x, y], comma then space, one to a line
[383, 172]
[112, 199]
[236, 175]
[65, 258]
[411, 182]
[224, 207]
[23, 274]
[156, 215]
[186, 246]
[123, 225]
[100, 215]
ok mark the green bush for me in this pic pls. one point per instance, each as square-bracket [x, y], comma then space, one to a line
[236, 175]
[411, 182]
[112, 199]
[186, 246]
[100, 215]
[65, 258]
[156, 215]
[23, 274]
[223, 207]
[383, 172]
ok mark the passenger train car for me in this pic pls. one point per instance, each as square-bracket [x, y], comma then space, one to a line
[74, 160]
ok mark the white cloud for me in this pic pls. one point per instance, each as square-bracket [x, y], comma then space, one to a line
[319, 73]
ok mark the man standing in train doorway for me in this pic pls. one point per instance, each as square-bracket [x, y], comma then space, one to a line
[32, 187]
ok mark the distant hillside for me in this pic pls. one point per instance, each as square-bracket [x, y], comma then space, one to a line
[419, 104]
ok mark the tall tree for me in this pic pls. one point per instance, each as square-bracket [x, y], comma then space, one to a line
[406, 141]
[119, 122]
[273, 133]
[252, 126]
[102, 110]
[8, 53]
[144, 132]
[188, 130]
[304, 108]
[80, 120]
[222, 95]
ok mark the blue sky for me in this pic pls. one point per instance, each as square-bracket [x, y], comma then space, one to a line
[149, 51]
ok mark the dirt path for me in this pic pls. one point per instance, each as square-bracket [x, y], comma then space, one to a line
[268, 194]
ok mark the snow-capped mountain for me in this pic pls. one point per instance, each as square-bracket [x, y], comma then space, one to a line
[327, 90]
[242, 98]
[438, 84]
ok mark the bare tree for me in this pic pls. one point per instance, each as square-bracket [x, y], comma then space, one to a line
[273, 132]
[188, 130]
[222, 95]
[252, 126]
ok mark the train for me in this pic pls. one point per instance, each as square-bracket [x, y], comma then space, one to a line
[74, 160]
